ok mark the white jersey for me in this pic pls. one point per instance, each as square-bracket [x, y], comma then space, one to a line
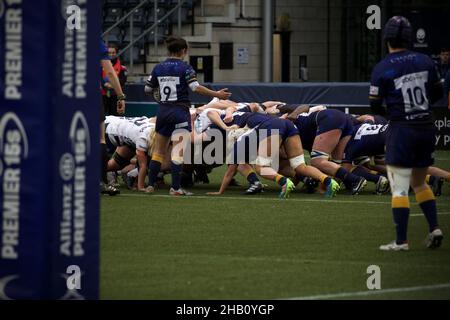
[202, 123]
[132, 132]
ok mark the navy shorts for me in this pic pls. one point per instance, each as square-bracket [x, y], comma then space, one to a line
[357, 150]
[285, 128]
[331, 119]
[410, 147]
[171, 118]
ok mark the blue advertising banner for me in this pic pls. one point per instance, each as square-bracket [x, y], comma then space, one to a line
[49, 154]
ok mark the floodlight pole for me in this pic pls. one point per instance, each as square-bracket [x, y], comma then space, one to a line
[267, 47]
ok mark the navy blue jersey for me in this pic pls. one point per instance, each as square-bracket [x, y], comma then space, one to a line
[404, 80]
[172, 79]
[307, 129]
[367, 140]
[250, 119]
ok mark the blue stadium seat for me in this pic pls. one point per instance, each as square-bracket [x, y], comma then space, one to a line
[136, 32]
[113, 3]
[139, 17]
[112, 14]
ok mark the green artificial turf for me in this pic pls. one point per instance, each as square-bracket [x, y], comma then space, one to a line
[260, 247]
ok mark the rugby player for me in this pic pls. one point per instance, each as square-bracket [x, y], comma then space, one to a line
[325, 134]
[408, 84]
[368, 140]
[169, 82]
[210, 119]
[108, 69]
[267, 128]
[130, 137]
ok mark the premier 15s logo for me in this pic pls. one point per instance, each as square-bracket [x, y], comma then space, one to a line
[13, 150]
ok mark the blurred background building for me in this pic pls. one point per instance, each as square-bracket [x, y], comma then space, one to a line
[273, 40]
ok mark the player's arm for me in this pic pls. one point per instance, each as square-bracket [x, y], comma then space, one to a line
[220, 104]
[115, 83]
[229, 114]
[376, 93]
[222, 94]
[365, 118]
[191, 79]
[150, 84]
[376, 105]
[299, 110]
[270, 104]
[229, 174]
[142, 159]
[215, 118]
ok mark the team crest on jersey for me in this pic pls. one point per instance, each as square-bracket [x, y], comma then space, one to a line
[374, 90]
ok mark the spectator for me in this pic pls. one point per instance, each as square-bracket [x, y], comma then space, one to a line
[443, 63]
[108, 94]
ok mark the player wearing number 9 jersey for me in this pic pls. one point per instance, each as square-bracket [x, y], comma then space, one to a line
[408, 83]
[170, 82]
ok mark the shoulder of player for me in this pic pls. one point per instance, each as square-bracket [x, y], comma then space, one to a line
[381, 65]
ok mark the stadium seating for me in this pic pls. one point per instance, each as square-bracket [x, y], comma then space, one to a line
[143, 18]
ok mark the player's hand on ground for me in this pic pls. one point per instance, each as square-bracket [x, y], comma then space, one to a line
[223, 94]
[149, 189]
[214, 193]
[121, 106]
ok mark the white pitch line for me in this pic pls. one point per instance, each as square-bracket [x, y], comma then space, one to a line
[260, 199]
[252, 198]
[370, 292]
[421, 214]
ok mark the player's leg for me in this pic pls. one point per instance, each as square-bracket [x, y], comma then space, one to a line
[338, 152]
[104, 152]
[264, 165]
[161, 146]
[294, 150]
[426, 200]
[104, 187]
[323, 146]
[435, 178]
[255, 186]
[381, 182]
[438, 172]
[399, 179]
[120, 158]
[180, 142]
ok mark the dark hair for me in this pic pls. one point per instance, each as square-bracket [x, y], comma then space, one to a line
[113, 46]
[176, 44]
[397, 32]
[444, 50]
